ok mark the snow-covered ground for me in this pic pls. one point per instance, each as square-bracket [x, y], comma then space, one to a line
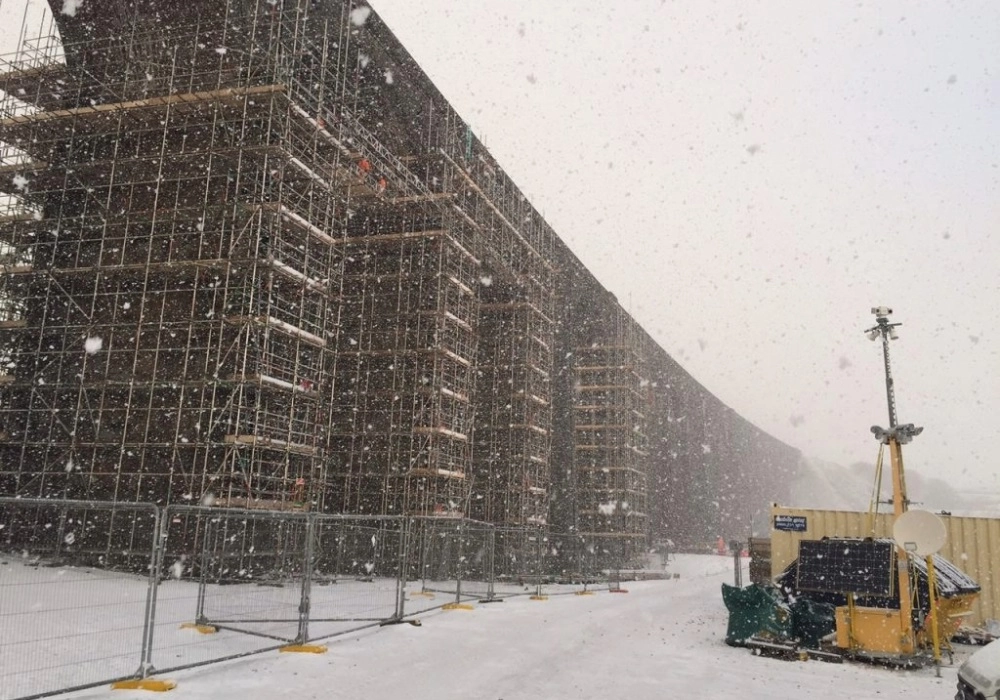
[65, 626]
[662, 639]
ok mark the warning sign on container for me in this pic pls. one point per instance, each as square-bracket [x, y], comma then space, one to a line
[790, 523]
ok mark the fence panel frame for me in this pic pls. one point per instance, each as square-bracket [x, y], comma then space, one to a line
[399, 565]
[145, 667]
[534, 559]
[206, 514]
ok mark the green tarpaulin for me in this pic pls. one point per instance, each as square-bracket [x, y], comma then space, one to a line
[755, 611]
[759, 611]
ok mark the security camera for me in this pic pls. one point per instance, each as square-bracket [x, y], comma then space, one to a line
[881, 310]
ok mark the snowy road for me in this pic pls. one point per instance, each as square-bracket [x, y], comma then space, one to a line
[663, 639]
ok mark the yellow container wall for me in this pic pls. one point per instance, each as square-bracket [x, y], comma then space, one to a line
[875, 630]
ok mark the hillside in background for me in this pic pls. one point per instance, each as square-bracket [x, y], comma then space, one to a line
[826, 485]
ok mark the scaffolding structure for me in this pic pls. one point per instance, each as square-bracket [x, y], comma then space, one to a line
[513, 423]
[173, 265]
[610, 438]
[251, 257]
[403, 410]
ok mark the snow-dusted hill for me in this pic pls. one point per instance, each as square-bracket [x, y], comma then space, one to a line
[827, 485]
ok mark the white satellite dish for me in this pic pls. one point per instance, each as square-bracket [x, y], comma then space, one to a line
[920, 532]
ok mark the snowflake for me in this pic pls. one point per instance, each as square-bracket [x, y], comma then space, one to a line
[359, 15]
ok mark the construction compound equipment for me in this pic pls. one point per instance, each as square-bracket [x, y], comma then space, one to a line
[896, 600]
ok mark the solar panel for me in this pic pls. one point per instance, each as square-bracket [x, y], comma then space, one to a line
[846, 566]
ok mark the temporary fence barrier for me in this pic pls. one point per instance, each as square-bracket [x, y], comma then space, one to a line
[451, 560]
[75, 605]
[359, 574]
[582, 566]
[518, 567]
[236, 582]
[183, 586]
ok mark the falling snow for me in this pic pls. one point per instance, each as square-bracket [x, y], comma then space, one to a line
[359, 15]
[177, 568]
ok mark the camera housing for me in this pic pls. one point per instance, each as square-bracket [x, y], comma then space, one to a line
[881, 310]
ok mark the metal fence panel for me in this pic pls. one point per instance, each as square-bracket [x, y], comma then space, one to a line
[357, 574]
[184, 586]
[449, 562]
[234, 583]
[579, 565]
[519, 561]
[74, 603]
[475, 560]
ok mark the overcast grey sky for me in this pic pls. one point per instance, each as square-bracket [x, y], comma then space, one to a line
[750, 179]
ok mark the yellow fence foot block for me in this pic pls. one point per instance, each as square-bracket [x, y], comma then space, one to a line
[152, 684]
[304, 649]
[201, 629]
[585, 593]
[422, 594]
[539, 597]
[456, 606]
